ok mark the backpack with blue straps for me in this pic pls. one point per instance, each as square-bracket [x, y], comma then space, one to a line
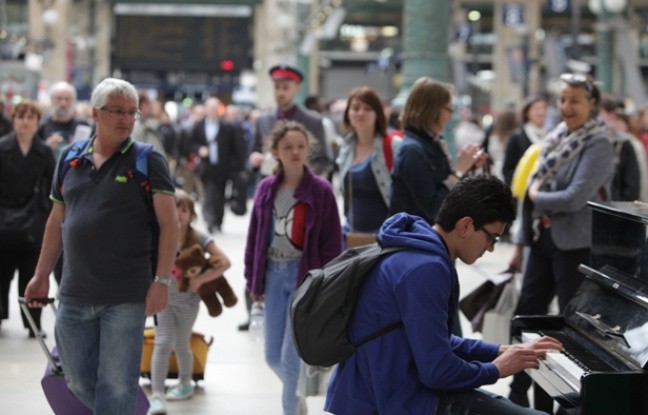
[139, 172]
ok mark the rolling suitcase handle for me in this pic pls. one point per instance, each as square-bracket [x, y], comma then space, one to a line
[56, 367]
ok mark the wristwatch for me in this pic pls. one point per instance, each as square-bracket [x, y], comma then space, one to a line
[163, 280]
[459, 175]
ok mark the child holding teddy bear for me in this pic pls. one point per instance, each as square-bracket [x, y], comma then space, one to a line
[176, 321]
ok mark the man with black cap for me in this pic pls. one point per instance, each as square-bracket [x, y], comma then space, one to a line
[287, 81]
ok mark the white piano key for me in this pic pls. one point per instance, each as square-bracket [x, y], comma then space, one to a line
[565, 368]
[528, 336]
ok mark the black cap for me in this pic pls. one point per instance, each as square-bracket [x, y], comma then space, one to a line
[286, 72]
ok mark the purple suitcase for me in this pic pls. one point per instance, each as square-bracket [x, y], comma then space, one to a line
[59, 397]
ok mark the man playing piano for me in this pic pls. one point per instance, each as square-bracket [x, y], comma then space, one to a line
[421, 368]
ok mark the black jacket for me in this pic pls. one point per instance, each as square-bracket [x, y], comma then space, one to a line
[518, 143]
[21, 174]
[231, 147]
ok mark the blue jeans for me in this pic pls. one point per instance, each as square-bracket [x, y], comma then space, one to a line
[479, 402]
[281, 355]
[100, 347]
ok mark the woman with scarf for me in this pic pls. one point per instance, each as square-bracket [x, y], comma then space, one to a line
[576, 166]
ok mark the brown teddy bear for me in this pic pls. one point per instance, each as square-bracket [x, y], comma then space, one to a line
[191, 262]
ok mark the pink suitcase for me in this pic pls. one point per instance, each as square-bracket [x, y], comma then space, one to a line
[59, 397]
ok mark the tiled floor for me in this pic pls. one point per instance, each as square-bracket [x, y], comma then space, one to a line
[237, 381]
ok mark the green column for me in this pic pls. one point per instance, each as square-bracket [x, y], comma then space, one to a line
[604, 49]
[425, 49]
[303, 61]
[425, 43]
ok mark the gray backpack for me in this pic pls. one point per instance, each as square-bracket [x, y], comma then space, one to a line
[324, 304]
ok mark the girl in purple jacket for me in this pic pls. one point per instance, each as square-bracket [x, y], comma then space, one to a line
[294, 227]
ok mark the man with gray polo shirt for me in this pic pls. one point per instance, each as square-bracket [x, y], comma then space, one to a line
[102, 219]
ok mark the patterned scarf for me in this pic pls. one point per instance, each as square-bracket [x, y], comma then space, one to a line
[559, 148]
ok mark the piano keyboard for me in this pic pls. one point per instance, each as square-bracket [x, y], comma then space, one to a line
[579, 355]
[573, 362]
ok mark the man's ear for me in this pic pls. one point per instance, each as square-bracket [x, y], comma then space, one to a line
[464, 225]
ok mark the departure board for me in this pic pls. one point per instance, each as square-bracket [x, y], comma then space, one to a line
[182, 43]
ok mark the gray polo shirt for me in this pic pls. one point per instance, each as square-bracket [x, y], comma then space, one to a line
[107, 237]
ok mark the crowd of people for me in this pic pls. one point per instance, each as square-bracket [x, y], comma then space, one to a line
[399, 185]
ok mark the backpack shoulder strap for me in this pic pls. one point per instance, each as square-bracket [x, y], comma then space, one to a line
[387, 150]
[379, 333]
[391, 249]
[72, 156]
[140, 171]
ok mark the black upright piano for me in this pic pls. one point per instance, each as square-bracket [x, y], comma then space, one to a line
[604, 328]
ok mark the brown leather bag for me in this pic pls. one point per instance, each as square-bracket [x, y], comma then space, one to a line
[354, 239]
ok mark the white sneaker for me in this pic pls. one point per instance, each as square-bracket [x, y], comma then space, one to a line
[180, 391]
[302, 408]
[157, 405]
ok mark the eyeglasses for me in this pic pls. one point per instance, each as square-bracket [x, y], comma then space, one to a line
[578, 79]
[449, 108]
[120, 113]
[492, 238]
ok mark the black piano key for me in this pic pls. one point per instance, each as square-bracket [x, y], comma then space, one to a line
[578, 354]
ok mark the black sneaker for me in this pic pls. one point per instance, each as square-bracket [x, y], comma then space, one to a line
[521, 399]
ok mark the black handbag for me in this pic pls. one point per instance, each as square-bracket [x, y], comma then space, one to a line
[238, 196]
[22, 225]
[483, 299]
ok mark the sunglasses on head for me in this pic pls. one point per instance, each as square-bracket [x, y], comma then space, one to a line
[578, 79]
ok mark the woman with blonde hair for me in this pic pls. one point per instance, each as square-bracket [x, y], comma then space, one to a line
[423, 170]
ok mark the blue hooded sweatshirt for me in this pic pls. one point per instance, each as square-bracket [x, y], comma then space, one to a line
[403, 371]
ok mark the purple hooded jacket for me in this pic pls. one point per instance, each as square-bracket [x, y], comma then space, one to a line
[323, 239]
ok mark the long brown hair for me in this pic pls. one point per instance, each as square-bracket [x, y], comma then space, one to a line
[505, 123]
[183, 199]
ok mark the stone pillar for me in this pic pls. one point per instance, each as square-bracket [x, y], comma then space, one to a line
[604, 61]
[56, 58]
[505, 90]
[425, 43]
[534, 17]
[100, 54]
[275, 36]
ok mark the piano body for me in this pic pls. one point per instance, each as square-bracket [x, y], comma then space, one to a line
[605, 327]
